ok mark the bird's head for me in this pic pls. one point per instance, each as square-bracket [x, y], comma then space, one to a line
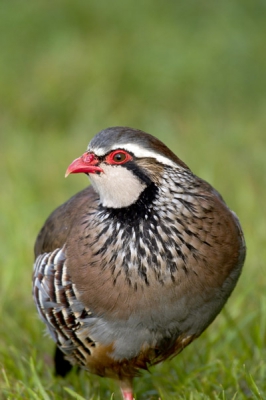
[122, 162]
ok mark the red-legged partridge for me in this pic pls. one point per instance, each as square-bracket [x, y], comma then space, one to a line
[132, 269]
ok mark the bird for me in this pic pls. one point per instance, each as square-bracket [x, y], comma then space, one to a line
[133, 268]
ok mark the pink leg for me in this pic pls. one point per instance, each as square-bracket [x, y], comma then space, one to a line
[126, 386]
[127, 394]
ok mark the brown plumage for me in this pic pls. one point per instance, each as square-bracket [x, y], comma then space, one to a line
[132, 269]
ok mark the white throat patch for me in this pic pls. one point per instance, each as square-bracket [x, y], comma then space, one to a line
[117, 186]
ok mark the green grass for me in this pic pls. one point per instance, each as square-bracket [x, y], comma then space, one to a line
[191, 73]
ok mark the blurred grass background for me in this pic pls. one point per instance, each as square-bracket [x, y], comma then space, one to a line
[192, 73]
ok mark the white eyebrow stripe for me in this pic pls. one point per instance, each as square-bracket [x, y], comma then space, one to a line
[138, 151]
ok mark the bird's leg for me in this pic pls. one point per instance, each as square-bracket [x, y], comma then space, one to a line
[127, 394]
[126, 387]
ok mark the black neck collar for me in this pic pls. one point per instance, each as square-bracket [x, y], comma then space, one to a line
[136, 211]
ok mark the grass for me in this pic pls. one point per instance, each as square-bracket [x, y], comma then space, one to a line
[191, 73]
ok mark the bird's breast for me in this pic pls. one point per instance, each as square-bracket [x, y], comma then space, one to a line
[162, 264]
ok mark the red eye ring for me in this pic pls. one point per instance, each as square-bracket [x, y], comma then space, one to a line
[118, 157]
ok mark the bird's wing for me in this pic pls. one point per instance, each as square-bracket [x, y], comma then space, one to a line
[49, 258]
[59, 224]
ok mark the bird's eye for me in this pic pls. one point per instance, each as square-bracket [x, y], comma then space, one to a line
[118, 157]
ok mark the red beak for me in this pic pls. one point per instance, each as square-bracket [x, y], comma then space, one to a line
[87, 163]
